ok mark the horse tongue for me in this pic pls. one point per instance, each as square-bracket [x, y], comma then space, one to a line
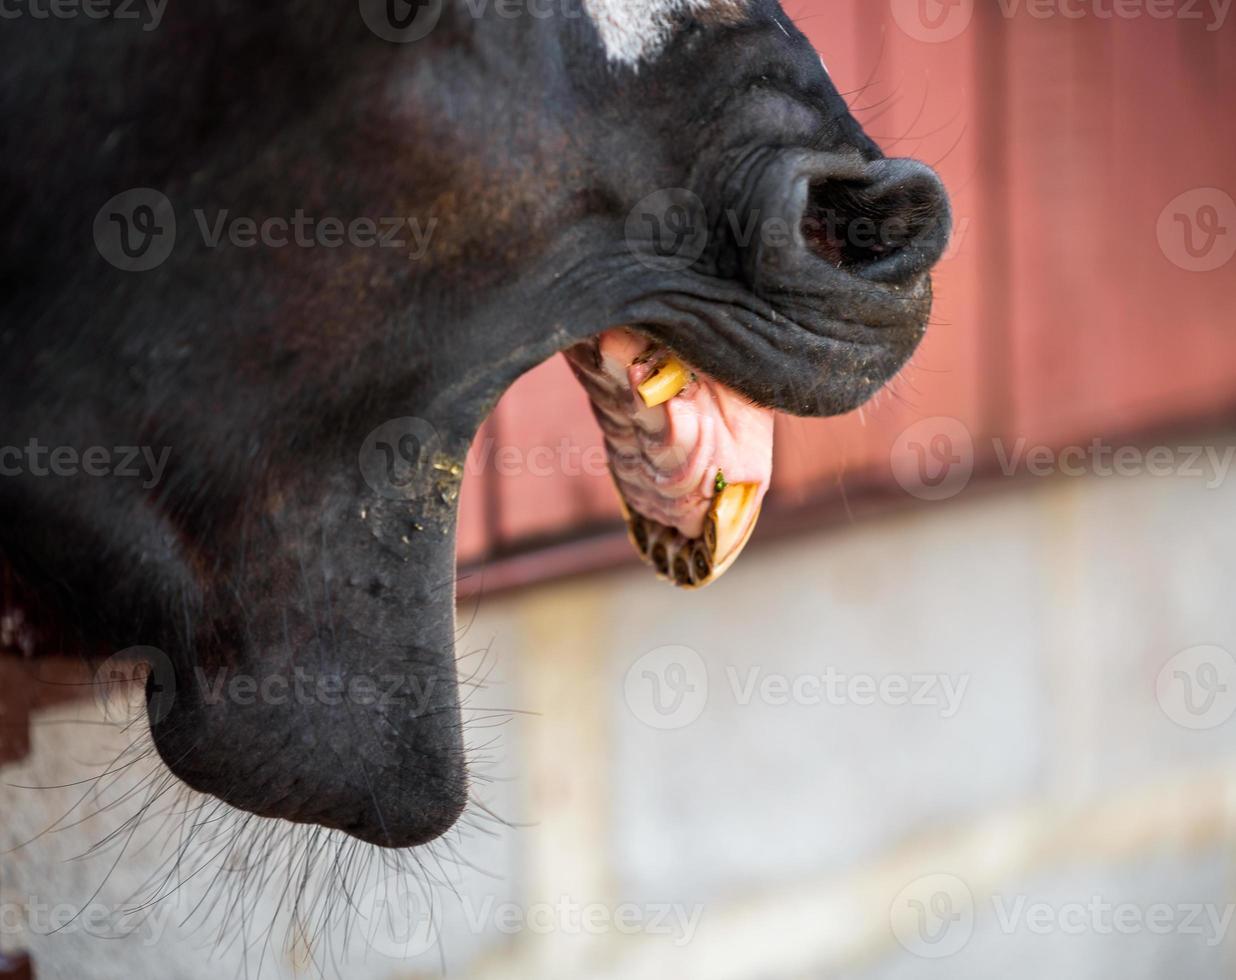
[692, 459]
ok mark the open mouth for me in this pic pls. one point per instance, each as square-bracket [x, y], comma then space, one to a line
[691, 458]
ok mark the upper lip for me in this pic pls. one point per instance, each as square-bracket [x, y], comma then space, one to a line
[752, 341]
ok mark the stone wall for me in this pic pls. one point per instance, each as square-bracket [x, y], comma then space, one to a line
[986, 737]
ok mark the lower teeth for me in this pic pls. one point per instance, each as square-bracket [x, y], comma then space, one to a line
[693, 562]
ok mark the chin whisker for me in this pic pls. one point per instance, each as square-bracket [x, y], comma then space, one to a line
[255, 887]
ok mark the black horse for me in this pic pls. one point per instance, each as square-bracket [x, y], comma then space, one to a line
[267, 267]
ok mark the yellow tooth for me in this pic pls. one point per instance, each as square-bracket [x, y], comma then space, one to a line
[732, 518]
[731, 521]
[669, 379]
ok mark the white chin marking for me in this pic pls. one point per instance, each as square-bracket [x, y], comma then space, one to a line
[637, 30]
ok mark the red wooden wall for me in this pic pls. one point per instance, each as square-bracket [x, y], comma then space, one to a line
[1068, 305]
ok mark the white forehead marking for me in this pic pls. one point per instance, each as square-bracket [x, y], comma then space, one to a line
[636, 30]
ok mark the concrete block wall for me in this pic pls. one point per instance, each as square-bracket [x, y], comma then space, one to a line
[989, 736]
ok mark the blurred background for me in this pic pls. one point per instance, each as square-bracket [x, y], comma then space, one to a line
[966, 706]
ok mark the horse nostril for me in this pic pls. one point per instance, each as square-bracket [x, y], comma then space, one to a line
[842, 227]
[888, 225]
[883, 221]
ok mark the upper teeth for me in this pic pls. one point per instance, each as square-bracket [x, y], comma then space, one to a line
[664, 383]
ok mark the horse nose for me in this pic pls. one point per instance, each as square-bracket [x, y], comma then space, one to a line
[890, 223]
[885, 220]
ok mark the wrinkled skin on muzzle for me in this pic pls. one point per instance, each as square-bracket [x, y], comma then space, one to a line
[318, 399]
